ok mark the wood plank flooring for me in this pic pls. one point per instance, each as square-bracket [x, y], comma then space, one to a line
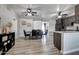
[42, 46]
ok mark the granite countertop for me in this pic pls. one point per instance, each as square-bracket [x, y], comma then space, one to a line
[67, 31]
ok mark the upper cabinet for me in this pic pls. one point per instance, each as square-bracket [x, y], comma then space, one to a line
[77, 13]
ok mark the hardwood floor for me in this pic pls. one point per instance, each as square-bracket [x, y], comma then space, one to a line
[42, 46]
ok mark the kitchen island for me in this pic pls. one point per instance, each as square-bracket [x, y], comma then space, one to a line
[66, 41]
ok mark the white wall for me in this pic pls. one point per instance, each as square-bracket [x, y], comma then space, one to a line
[8, 16]
[24, 27]
[37, 25]
[52, 23]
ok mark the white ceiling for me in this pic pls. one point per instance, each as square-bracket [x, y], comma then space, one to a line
[45, 10]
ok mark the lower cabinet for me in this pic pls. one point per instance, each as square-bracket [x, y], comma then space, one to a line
[57, 40]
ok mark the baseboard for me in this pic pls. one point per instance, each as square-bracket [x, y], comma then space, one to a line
[71, 51]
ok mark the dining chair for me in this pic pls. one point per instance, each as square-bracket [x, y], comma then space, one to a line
[26, 34]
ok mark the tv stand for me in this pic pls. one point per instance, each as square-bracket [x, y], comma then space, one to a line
[8, 43]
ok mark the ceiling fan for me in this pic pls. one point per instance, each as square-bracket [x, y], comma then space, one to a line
[60, 13]
[29, 12]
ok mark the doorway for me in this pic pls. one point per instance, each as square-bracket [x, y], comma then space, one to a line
[45, 27]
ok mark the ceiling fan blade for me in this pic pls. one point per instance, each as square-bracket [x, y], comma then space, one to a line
[24, 12]
[34, 12]
[59, 13]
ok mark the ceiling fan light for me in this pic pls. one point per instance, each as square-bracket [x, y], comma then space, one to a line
[29, 14]
[28, 10]
[59, 16]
